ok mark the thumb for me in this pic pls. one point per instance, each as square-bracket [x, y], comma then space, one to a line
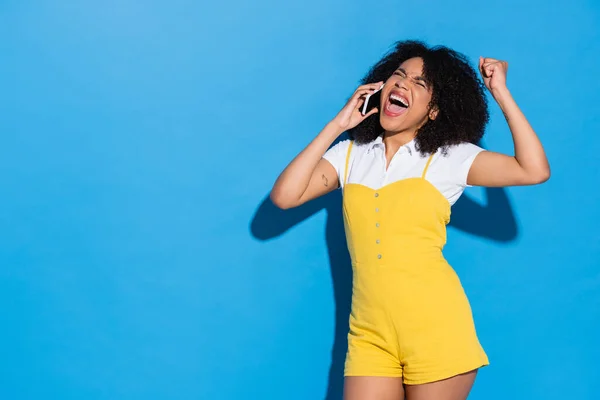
[489, 70]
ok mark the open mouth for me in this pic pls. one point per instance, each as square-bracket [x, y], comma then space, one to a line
[396, 105]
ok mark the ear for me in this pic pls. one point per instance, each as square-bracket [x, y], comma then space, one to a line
[433, 113]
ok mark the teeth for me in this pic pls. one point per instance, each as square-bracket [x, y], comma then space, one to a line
[400, 99]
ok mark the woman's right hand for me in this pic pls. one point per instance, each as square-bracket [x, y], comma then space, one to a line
[309, 175]
[350, 116]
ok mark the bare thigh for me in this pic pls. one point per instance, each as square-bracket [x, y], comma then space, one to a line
[455, 388]
[373, 388]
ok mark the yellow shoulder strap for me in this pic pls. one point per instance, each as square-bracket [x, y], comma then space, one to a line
[427, 165]
[347, 162]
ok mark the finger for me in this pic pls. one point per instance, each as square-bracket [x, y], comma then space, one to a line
[358, 102]
[497, 64]
[483, 68]
[368, 89]
[371, 86]
[489, 60]
[373, 111]
[361, 94]
[487, 64]
[492, 67]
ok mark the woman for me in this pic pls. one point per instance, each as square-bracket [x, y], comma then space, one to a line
[406, 163]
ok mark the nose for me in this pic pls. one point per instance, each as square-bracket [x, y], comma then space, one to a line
[401, 83]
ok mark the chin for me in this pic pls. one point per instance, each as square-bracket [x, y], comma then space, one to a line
[389, 125]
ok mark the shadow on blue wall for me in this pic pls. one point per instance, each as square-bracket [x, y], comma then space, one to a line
[493, 221]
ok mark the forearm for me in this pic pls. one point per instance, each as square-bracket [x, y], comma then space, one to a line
[295, 178]
[529, 151]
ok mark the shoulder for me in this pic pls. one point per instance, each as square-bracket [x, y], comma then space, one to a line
[462, 151]
[456, 160]
[339, 146]
[344, 152]
[336, 155]
[339, 150]
[451, 167]
[458, 156]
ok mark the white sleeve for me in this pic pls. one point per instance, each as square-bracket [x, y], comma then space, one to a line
[462, 157]
[336, 155]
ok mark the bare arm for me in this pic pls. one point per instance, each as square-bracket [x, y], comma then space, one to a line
[308, 175]
[529, 165]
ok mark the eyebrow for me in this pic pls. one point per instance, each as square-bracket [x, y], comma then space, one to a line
[417, 78]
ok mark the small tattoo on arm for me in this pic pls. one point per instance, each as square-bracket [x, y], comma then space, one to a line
[325, 180]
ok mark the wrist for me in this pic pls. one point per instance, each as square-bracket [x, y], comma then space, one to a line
[333, 128]
[501, 94]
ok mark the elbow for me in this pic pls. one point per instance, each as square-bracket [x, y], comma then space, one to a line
[280, 201]
[540, 177]
[545, 176]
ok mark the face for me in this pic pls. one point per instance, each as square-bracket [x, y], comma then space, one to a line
[405, 99]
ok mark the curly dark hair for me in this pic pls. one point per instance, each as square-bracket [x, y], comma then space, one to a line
[457, 92]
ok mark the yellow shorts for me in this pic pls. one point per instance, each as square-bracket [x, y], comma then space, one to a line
[414, 323]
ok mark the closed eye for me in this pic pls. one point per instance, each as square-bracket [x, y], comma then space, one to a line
[418, 81]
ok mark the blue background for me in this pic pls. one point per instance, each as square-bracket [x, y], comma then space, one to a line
[141, 259]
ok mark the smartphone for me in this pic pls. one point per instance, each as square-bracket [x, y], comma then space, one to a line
[371, 101]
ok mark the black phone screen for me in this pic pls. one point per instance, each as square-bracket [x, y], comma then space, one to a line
[372, 102]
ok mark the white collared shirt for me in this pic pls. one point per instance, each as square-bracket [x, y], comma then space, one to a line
[448, 173]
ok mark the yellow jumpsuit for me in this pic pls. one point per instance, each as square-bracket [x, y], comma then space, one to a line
[410, 317]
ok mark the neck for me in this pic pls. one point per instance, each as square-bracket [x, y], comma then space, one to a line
[397, 139]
